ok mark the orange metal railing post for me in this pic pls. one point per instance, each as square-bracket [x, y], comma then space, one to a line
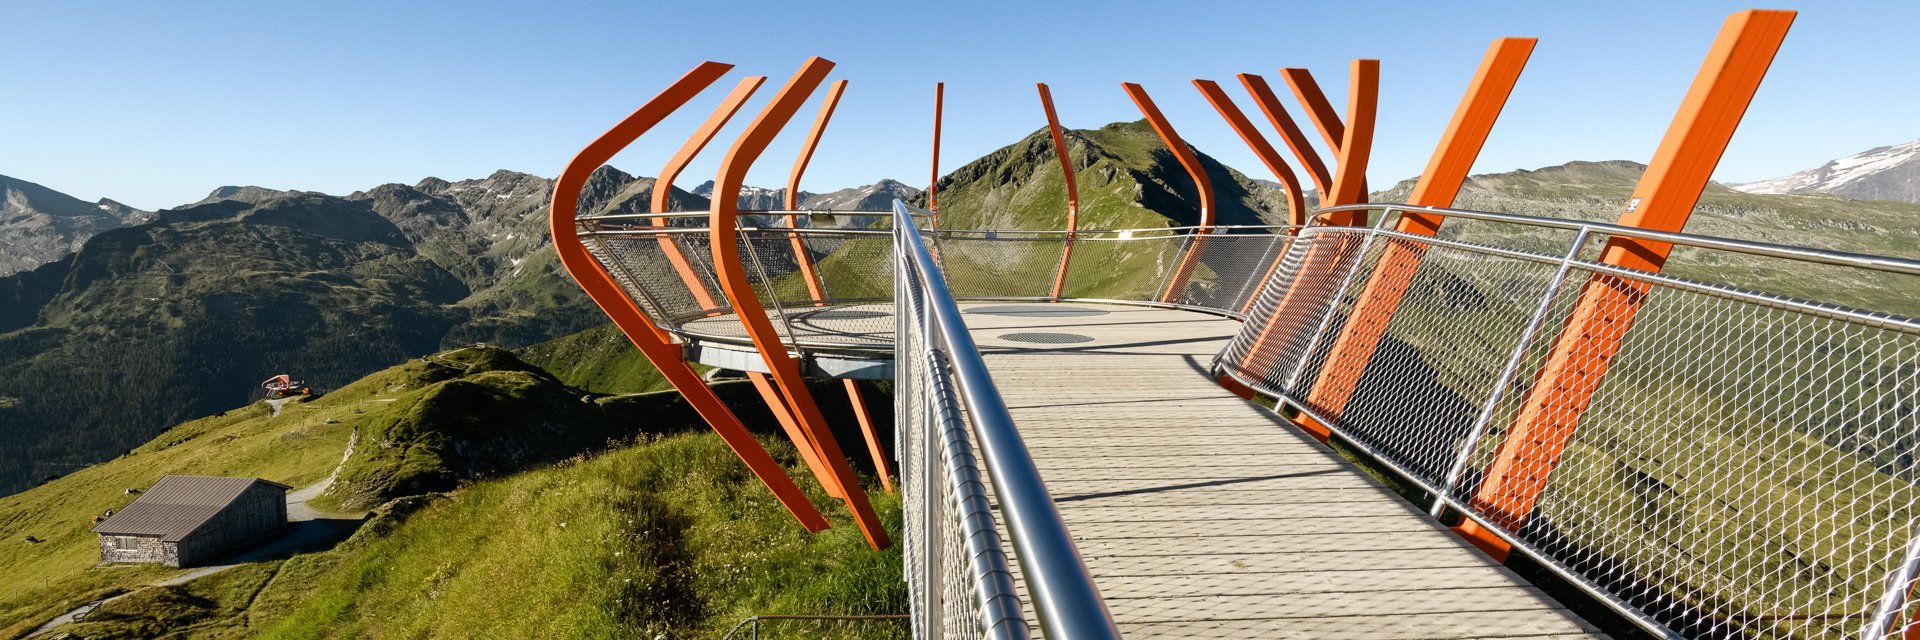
[645, 335]
[1446, 172]
[1598, 323]
[1073, 190]
[1191, 162]
[663, 185]
[785, 369]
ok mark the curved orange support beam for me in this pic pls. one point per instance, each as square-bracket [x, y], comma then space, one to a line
[1325, 118]
[1296, 201]
[645, 335]
[1356, 140]
[1073, 190]
[746, 304]
[933, 188]
[663, 185]
[1290, 132]
[801, 256]
[1191, 163]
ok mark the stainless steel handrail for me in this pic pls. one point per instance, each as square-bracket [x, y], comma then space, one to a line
[1063, 593]
[745, 212]
[1749, 247]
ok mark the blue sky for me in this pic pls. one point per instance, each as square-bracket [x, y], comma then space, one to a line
[157, 103]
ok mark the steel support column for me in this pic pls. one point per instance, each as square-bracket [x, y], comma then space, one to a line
[1178, 282]
[1073, 191]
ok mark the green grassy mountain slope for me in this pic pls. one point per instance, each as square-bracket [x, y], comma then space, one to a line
[1598, 191]
[1127, 179]
[543, 511]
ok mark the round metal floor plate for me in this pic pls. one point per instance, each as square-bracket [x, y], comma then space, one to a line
[1039, 311]
[1044, 337]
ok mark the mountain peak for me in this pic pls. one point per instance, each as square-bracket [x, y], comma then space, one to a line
[39, 225]
[1881, 173]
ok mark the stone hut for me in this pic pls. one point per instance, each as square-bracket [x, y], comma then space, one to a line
[186, 520]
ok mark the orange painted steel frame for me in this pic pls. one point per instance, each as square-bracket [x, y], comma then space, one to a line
[1348, 182]
[663, 185]
[649, 338]
[814, 286]
[1327, 121]
[1598, 323]
[1189, 161]
[1296, 201]
[785, 369]
[1446, 171]
[1073, 190]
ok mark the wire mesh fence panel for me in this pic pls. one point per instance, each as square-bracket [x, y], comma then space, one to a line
[661, 272]
[1016, 266]
[1121, 268]
[1228, 269]
[1719, 463]
[1743, 470]
[1418, 350]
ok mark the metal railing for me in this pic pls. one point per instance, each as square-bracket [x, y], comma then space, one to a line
[1745, 468]
[957, 572]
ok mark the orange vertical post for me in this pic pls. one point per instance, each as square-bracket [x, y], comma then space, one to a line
[1289, 131]
[1327, 121]
[1598, 323]
[647, 337]
[1191, 163]
[727, 262]
[1446, 171]
[1073, 190]
[663, 185]
[933, 184]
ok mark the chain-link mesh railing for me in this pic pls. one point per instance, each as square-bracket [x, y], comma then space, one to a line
[1712, 461]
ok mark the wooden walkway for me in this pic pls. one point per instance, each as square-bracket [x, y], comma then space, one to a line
[1203, 515]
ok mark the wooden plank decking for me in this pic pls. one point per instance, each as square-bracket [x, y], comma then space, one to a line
[1202, 515]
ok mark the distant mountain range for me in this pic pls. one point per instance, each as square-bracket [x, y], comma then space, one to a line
[1881, 173]
[160, 317]
[39, 225]
[878, 196]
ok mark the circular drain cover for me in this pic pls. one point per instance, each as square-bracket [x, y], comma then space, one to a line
[1042, 337]
[1039, 311]
[846, 314]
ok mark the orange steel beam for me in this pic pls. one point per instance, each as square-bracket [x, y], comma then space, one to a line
[746, 304]
[871, 434]
[811, 275]
[663, 185]
[1321, 112]
[1446, 171]
[933, 186]
[1356, 139]
[1191, 163]
[1073, 190]
[1349, 186]
[803, 441]
[1600, 319]
[1296, 201]
[1289, 131]
[645, 335]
